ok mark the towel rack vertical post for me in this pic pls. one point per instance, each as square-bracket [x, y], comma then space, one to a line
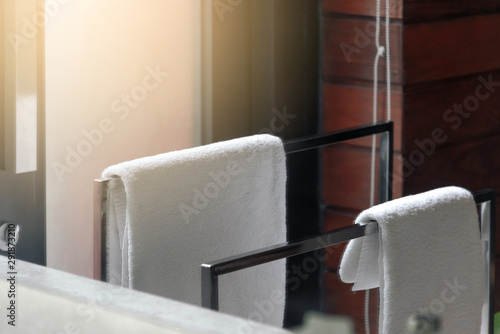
[386, 166]
[100, 212]
[209, 287]
[486, 201]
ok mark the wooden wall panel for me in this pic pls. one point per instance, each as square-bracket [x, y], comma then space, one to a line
[353, 107]
[424, 10]
[452, 48]
[346, 177]
[467, 109]
[340, 299]
[474, 165]
[362, 7]
[349, 50]
[346, 171]
[413, 11]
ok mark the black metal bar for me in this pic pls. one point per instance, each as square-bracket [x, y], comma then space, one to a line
[492, 262]
[209, 288]
[287, 249]
[485, 195]
[486, 198]
[100, 229]
[105, 276]
[211, 271]
[386, 151]
[307, 143]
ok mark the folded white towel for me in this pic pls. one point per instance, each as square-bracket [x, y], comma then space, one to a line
[427, 257]
[172, 212]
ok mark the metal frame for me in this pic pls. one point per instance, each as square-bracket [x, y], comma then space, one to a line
[385, 129]
[484, 198]
[211, 271]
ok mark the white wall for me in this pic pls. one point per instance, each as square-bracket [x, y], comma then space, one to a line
[109, 99]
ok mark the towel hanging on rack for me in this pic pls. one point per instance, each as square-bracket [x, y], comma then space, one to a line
[426, 257]
[177, 210]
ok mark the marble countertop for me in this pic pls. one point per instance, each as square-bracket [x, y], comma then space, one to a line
[55, 302]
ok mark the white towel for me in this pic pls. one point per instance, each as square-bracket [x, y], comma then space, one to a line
[172, 212]
[429, 260]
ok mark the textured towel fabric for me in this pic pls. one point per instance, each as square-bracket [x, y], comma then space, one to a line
[172, 212]
[427, 257]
